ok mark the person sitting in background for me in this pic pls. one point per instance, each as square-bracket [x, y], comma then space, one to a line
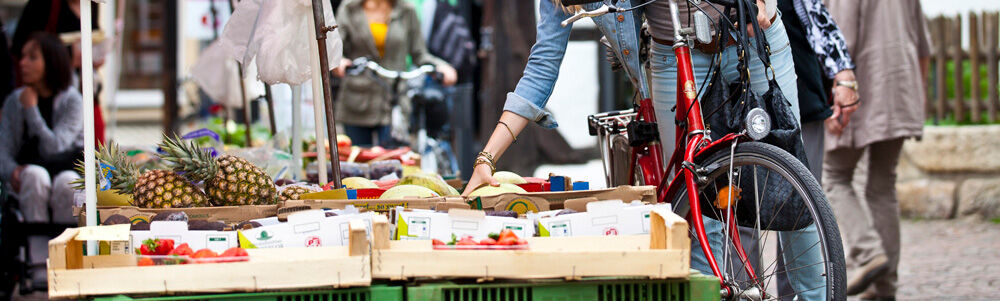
[41, 135]
[385, 31]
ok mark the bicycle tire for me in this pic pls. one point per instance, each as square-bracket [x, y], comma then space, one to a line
[791, 169]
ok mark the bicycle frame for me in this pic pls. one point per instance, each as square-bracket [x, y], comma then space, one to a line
[692, 142]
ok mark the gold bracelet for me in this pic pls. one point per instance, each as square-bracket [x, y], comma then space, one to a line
[508, 130]
[482, 160]
[488, 156]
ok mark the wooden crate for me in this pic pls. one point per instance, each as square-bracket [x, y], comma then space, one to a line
[664, 253]
[72, 275]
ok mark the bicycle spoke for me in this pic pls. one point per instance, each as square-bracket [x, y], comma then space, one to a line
[796, 293]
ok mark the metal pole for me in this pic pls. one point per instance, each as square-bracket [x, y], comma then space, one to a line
[317, 94]
[324, 71]
[270, 108]
[87, 78]
[246, 107]
[297, 130]
[170, 85]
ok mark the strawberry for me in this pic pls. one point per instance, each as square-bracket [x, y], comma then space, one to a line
[488, 242]
[235, 252]
[164, 246]
[437, 242]
[204, 253]
[467, 241]
[145, 261]
[145, 250]
[507, 233]
[507, 241]
[182, 250]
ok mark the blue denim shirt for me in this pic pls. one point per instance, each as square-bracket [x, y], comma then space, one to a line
[535, 87]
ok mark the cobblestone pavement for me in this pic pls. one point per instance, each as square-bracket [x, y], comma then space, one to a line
[941, 260]
[949, 260]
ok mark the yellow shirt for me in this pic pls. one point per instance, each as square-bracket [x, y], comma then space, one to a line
[379, 31]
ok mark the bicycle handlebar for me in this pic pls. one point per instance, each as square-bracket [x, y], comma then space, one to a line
[363, 63]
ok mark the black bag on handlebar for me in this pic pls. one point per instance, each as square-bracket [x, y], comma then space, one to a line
[782, 208]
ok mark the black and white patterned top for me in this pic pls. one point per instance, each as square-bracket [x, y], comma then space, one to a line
[824, 35]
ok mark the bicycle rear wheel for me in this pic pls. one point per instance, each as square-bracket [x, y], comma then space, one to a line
[763, 178]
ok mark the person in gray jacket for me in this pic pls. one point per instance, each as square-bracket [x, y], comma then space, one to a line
[41, 135]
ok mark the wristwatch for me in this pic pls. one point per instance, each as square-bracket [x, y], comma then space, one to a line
[853, 85]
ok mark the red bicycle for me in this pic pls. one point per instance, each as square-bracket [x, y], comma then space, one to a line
[733, 191]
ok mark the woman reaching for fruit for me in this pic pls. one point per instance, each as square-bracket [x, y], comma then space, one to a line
[41, 133]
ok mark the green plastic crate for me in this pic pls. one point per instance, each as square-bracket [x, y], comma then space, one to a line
[372, 293]
[696, 287]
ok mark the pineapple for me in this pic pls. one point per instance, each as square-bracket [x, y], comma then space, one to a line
[229, 180]
[152, 188]
[293, 191]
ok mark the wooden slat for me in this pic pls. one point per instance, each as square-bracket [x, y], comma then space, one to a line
[664, 253]
[358, 238]
[667, 231]
[991, 30]
[65, 252]
[974, 61]
[955, 38]
[268, 269]
[940, 60]
[253, 276]
[380, 232]
[548, 257]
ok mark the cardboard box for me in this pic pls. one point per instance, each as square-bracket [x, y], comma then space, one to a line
[544, 201]
[604, 218]
[304, 229]
[225, 214]
[381, 206]
[426, 224]
[218, 241]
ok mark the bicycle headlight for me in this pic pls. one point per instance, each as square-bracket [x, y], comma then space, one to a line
[758, 124]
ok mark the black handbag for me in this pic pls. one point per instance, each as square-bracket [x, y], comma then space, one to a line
[728, 104]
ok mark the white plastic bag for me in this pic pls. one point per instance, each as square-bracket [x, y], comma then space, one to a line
[215, 73]
[276, 32]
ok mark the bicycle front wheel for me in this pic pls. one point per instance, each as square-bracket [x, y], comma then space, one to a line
[768, 224]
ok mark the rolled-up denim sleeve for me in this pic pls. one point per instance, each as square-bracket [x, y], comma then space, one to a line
[533, 90]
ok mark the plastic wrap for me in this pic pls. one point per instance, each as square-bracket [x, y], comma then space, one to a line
[275, 33]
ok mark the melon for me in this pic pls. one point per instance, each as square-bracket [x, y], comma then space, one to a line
[508, 177]
[495, 190]
[430, 181]
[408, 191]
[358, 183]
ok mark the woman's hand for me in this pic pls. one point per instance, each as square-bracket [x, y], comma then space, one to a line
[844, 97]
[762, 18]
[341, 70]
[450, 76]
[480, 175]
[833, 124]
[29, 98]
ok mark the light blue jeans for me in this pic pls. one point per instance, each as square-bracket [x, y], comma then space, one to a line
[800, 248]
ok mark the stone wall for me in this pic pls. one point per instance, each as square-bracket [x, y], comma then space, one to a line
[951, 172]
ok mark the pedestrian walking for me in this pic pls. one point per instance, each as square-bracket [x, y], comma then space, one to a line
[889, 42]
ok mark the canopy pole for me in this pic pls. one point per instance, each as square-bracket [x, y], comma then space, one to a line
[317, 96]
[87, 77]
[319, 23]
[297, 130]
